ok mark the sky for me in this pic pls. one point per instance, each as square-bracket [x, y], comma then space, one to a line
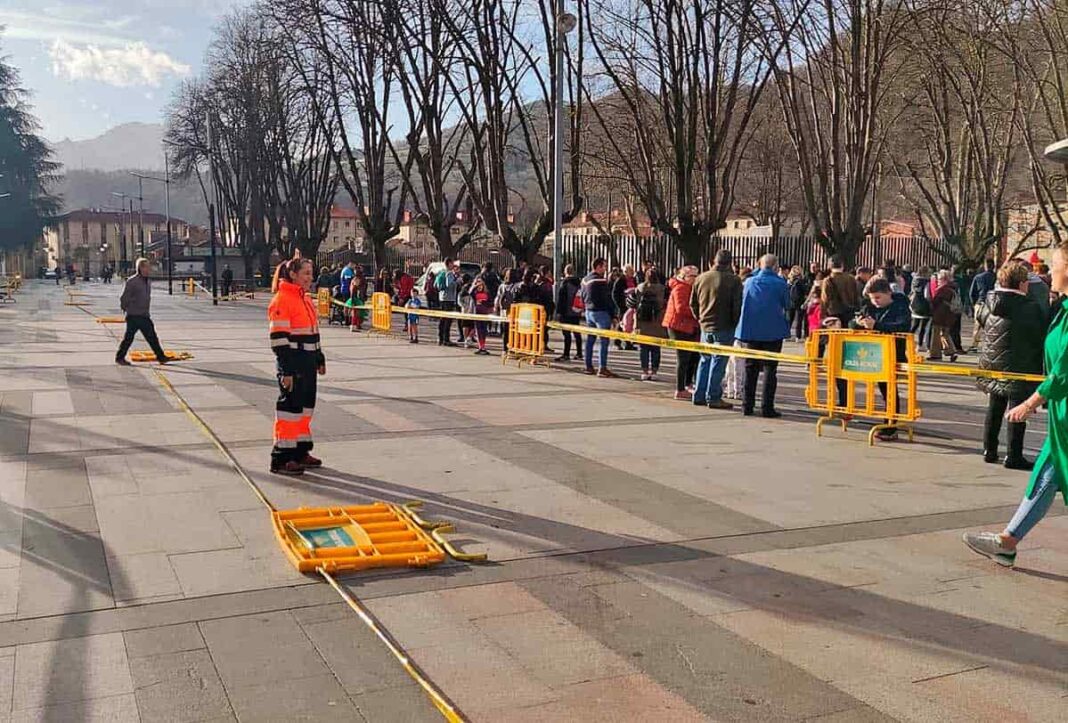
[95, 64]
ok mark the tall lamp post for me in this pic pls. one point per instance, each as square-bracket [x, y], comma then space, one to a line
[565, 23]
[166, 181]
[124, 260]
[141, 214]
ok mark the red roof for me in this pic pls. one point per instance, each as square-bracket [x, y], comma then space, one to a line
[342, 212]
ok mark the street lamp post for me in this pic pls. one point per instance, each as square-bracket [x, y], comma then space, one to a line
[141, 213]
[565, 23]
[122, 230]
[166, 181]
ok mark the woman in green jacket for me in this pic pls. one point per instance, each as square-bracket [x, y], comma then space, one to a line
[1051, 468]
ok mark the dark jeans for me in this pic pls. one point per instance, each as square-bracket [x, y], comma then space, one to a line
[572, 335]
[650, 357]
[753, 368]
[685, 361]
[955, 333]
[445, 325]
[921, 327]
[995, 412]
[799, 322]
[144, 325]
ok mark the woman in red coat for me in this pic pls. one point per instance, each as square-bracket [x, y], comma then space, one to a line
[682, 325]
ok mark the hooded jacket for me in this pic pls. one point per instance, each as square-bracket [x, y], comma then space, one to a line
[1014, 331]
[679, 316]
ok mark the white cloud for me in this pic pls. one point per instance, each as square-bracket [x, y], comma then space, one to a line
[132, 64]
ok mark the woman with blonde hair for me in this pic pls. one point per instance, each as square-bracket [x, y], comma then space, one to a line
[682, 325]
[294, 335]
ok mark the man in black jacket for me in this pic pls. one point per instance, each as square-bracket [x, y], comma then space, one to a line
[1014, 331]
[597, 300]
[567, 313]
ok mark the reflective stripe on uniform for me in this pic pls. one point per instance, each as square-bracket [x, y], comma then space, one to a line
[278, 324]
[285, 443]
[288, 416]
[303, 345]
[281, 341]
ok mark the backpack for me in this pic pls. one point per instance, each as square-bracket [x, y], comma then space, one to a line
[441, 281]
[578, 306]
[955, 305]
[919, 304]
[645, 308]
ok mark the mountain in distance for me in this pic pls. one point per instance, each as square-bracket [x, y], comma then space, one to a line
[130, 145]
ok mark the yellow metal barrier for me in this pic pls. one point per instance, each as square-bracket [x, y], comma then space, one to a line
[322, 302]
[526, 333]
[191, 286]
[868, 360]
[381, 312]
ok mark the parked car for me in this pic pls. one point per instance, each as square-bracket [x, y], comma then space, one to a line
[466, 267]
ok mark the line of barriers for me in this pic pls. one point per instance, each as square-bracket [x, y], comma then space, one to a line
[848, 370]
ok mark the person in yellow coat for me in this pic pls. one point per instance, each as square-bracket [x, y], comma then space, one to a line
[294, 335]
[1050, 473]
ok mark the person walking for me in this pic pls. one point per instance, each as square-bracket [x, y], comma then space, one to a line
[569, 311]
[762, 327]
[1050, 473]
[1013, 329]
[798, 295]
[716, 303]
[945, 311]
[622, 288]
[505, 298]
[920, 307]
[294, 334]
[597, 302]
[681, 325]
[135, 302]
[649, 318]
[446, 283]
[983, 283]
[227, 280]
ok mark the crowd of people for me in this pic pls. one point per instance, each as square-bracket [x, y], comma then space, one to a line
[1021, 326]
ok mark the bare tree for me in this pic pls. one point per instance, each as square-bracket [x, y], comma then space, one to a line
[767, 189]
[955, 155]
[833, 80]
[344, 50]
[506, 95]
[681, 82]
[1039, 57]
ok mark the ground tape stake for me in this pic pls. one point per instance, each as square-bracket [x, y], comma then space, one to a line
[444, 705]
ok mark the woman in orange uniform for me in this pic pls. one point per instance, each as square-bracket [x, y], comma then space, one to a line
[294, 332]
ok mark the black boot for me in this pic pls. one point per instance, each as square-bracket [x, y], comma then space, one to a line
[1015, 459]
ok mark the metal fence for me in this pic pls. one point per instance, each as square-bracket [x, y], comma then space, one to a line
[747, 250]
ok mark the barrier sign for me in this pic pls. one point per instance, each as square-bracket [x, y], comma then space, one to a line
[381, 312]
[322, 301]
[526, 333]
[867, 359]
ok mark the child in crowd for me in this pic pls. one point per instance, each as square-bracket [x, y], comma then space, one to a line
[413, 319]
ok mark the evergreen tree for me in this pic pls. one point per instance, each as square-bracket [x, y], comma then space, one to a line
[26, 169]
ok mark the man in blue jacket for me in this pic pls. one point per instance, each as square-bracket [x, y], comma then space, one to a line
[762, 326]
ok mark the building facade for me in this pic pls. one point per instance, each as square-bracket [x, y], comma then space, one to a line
[91, 238]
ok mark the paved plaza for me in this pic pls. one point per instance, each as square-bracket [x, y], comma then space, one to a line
[649, 561]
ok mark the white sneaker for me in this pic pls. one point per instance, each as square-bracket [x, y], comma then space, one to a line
[645, 377]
